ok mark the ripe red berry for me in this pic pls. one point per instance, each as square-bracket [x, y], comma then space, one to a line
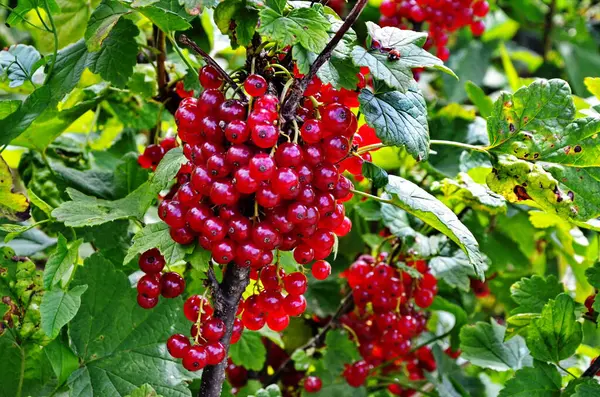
[321, 270]
[209, 77]
[278, 322]
[171, 285]
[152, 261]
[312, 384]
[213, 329]
[146, 302]
[195, 358]
[255, 85]
[149, 286]
[336, 118]
[178, 345]
[294, 305]
[215, 353]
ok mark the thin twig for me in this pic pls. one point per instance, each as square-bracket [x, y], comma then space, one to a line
[316, 339]
[548, 25]
[183, 39]
[290, 106]
[161, 76]
[55, 34]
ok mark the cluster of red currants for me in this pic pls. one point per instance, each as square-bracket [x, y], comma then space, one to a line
[154, 153]
[155, 283]
[387, 317]
[249, 189]
[442, 17]
[206, 333]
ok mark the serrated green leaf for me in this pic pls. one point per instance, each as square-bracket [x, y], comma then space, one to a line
[245, 25]
[556, 335]
[17, 122]
[531, 294]
[62, 359]
[102, 21]
[168, 15]
[59, 307]
[483, 345]
[18, 63]
[168, 168]
[414, 200]
[543, 380]
[463, 191]
[306, 26]
[369, 210]
[38, 202]
[156, 235]
[587, 388]
[13, 206]
[376, 174]
[8, 107]
[61, 262]
[115, 60]
[477, 96]
[85, 210]
[396, 74]
[398, 119]
[120, 345]
[249, 352]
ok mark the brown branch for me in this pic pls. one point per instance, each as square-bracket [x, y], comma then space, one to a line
[161, 72]
[592, 369]
[317, 339]
[183, 39]
[226, 298]
[291, 104]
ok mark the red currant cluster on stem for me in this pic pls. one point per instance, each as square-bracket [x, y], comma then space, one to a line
[442, 17]
[387, 317]
[206, 332]
[155, 283]
[154, 153]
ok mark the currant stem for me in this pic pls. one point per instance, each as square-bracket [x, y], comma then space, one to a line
[226, 302]
[289, 107]
[183, 39]
[368, 148]
[458, 144]
[381, 200]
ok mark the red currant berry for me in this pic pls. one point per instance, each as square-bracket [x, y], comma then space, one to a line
[321, 270]
[152, 261]
[178, 345]
[195, 359]
[171, 285]
[312, 384]
[255, 85]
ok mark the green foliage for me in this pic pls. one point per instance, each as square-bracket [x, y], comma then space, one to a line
[14, 206]
[399, 119]
[531, 294]
[249, 351]
[556, 335]
[59, 307]
[19, 63]
[418, 202]
[543, 380]
[111, 334]
[483, 345]
[60, 264]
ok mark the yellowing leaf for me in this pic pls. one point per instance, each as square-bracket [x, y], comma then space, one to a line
[13, 206]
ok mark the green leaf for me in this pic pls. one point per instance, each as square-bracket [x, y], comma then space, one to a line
[168, 15]
[144, 390]
[18, 63]
[102, 21]
[543, 380]
[463, 191]
[306, 26]
[557, 334]
[340, 351]
[61, 262]
[115, 60]
[62, 359]
[571, 193]
[8, 107]
[38, 202]
[460, 316]
[396, 74]
[120, 345]
[590, 388]
[156, 235]
[249, 351]
[51, 123]
[375, 173]
[477, 96]
[85, 210]
[483, 345]
[168, 167]
[455, 270]
[242, 14]
[13, 206]
[399, 119]
[17, 122]
[462, 61]
[414, 200]
[531, 294]
[59, 307]
[593, 275]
